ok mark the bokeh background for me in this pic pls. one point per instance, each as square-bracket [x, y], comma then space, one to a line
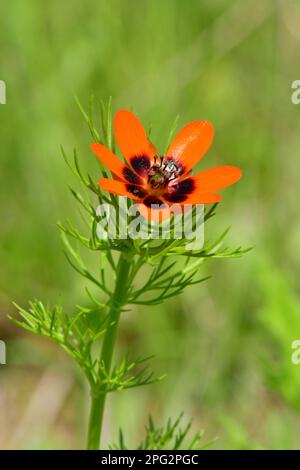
[225, 344]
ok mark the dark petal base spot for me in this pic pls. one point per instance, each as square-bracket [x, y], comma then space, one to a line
[153, 202]
[141, 164]
[181, 191]
[186, 186]
[130, 176]
[135, 190]
[174, 197]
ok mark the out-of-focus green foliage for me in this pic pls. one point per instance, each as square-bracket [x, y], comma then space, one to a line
[226, 344]
[172, 436]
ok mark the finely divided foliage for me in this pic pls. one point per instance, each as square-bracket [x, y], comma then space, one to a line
[168, 268]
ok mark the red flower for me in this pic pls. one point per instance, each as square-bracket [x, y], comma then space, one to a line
[160, 181]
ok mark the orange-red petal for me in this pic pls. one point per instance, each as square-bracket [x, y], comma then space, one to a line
[132, 139]
[110, 160]
[156, 215]
[201, 188]
[202, 198]
[122, 189]
[191, 143]
[216, 178]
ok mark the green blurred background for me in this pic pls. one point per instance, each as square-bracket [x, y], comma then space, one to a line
[225, 344]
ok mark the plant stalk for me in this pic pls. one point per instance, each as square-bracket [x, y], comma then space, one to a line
[98, 401]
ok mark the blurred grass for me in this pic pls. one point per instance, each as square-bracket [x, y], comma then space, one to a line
[225, 344]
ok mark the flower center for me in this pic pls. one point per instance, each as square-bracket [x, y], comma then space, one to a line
[162, 172]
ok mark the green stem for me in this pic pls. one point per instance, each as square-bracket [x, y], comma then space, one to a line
[98, 401]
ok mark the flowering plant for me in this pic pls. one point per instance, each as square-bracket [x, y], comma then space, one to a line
[155, 183]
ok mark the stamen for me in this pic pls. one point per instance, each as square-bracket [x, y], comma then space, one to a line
[162, 172]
